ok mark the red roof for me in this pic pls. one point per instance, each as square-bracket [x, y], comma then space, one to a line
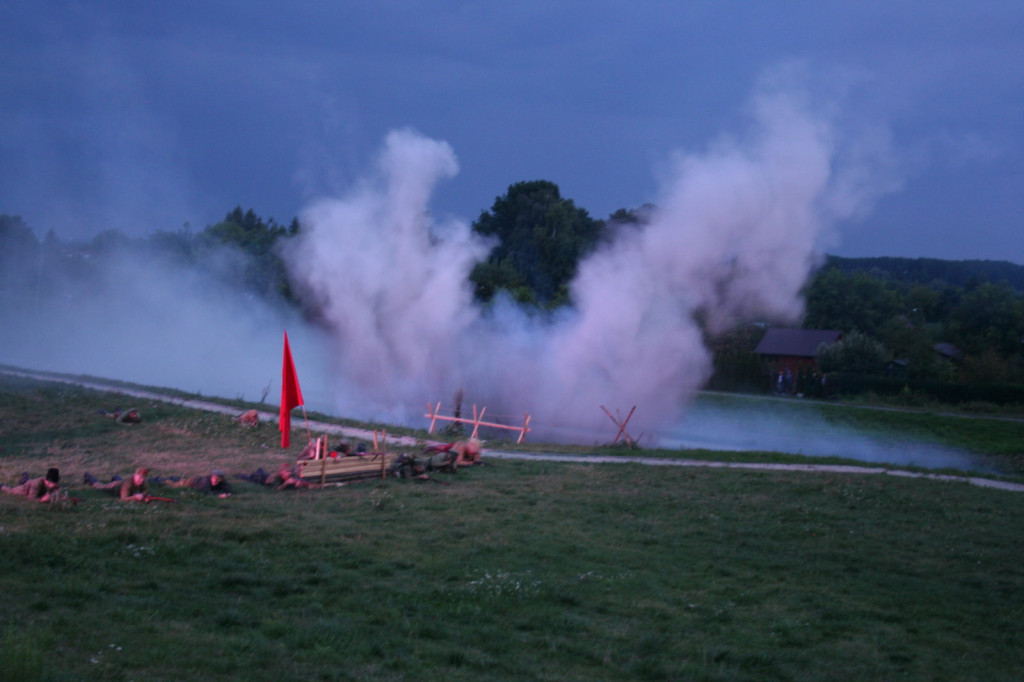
[796, 342]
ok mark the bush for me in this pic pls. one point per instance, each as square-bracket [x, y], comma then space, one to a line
[947, 392]
[855, 353]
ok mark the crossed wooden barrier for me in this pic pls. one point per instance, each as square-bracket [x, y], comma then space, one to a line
[434, 414]
[622, 426]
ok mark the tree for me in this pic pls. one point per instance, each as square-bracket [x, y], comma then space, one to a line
[916, 345]
[262, 269]
[19, 256]
[247, 231]
[989, 317]
[736, 366]
[541, 238]
[856, 353]
[110, 241]
[854, 302]
[924, 304]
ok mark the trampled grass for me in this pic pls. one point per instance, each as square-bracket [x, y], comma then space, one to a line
[515, 570]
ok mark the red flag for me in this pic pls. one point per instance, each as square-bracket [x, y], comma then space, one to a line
[291, 394]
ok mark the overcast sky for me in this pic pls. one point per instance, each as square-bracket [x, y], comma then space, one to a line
[139, 115]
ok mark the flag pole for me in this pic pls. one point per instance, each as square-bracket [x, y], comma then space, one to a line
[309, 434]
[291, 395]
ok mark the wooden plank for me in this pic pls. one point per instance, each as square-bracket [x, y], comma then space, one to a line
[476, 421]
[327, 469]
[315, 467]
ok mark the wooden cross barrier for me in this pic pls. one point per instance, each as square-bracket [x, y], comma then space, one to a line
[622, 426]
[434, 414]
[381, 450]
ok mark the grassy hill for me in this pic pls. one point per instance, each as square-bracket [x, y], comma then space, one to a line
[512, 571]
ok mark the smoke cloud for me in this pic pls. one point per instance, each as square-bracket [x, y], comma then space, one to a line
[735, 233]
[736, 229]
[390, 283]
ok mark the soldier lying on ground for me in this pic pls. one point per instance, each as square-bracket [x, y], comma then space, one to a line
[287, 476]
[467, 452]
[215, 483]
[129, 416]
[133, 488]
[409, 466]
[41, 489]
[249, 418]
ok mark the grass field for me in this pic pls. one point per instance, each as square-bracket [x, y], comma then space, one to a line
[516, 570]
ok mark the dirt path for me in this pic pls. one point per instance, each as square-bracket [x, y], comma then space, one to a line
[752, 466]
[361, 434]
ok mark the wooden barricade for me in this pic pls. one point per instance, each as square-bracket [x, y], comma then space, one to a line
[621, 423]
[434, 414]
[325, 469]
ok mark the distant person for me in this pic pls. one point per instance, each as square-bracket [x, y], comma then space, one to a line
[461, 453]
[312, 450]
[468, 452]
[41, 489]
[129, 416]
[342, 449]
[434, 458]
[250, 418]
[214, 484]
[287, 476]
[131, 489]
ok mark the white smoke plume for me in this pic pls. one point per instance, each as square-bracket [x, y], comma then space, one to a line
[736, 232]
[390, 284]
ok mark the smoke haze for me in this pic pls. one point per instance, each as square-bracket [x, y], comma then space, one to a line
[800, 429]
[736, 232]
[144, 317]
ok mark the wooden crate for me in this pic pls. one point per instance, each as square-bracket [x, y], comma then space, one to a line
[351, 468]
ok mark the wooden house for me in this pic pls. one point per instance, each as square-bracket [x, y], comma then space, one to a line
[794, 350]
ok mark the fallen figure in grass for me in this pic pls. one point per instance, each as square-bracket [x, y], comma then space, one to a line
[43, 489]
[287, 476]
[443, 457]
[131, 489]
[411, 466]
[467, 452]
[129, 416]
[214, 484]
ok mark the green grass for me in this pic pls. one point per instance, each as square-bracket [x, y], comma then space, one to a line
[516, 570]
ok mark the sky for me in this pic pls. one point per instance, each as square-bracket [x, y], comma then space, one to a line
[142, 116]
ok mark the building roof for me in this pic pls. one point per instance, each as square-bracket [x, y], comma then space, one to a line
[795, 342]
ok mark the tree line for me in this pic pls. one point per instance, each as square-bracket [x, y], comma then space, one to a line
[241, 250]
[903, 320]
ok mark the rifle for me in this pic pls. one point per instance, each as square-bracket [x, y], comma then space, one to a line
[154, 498]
